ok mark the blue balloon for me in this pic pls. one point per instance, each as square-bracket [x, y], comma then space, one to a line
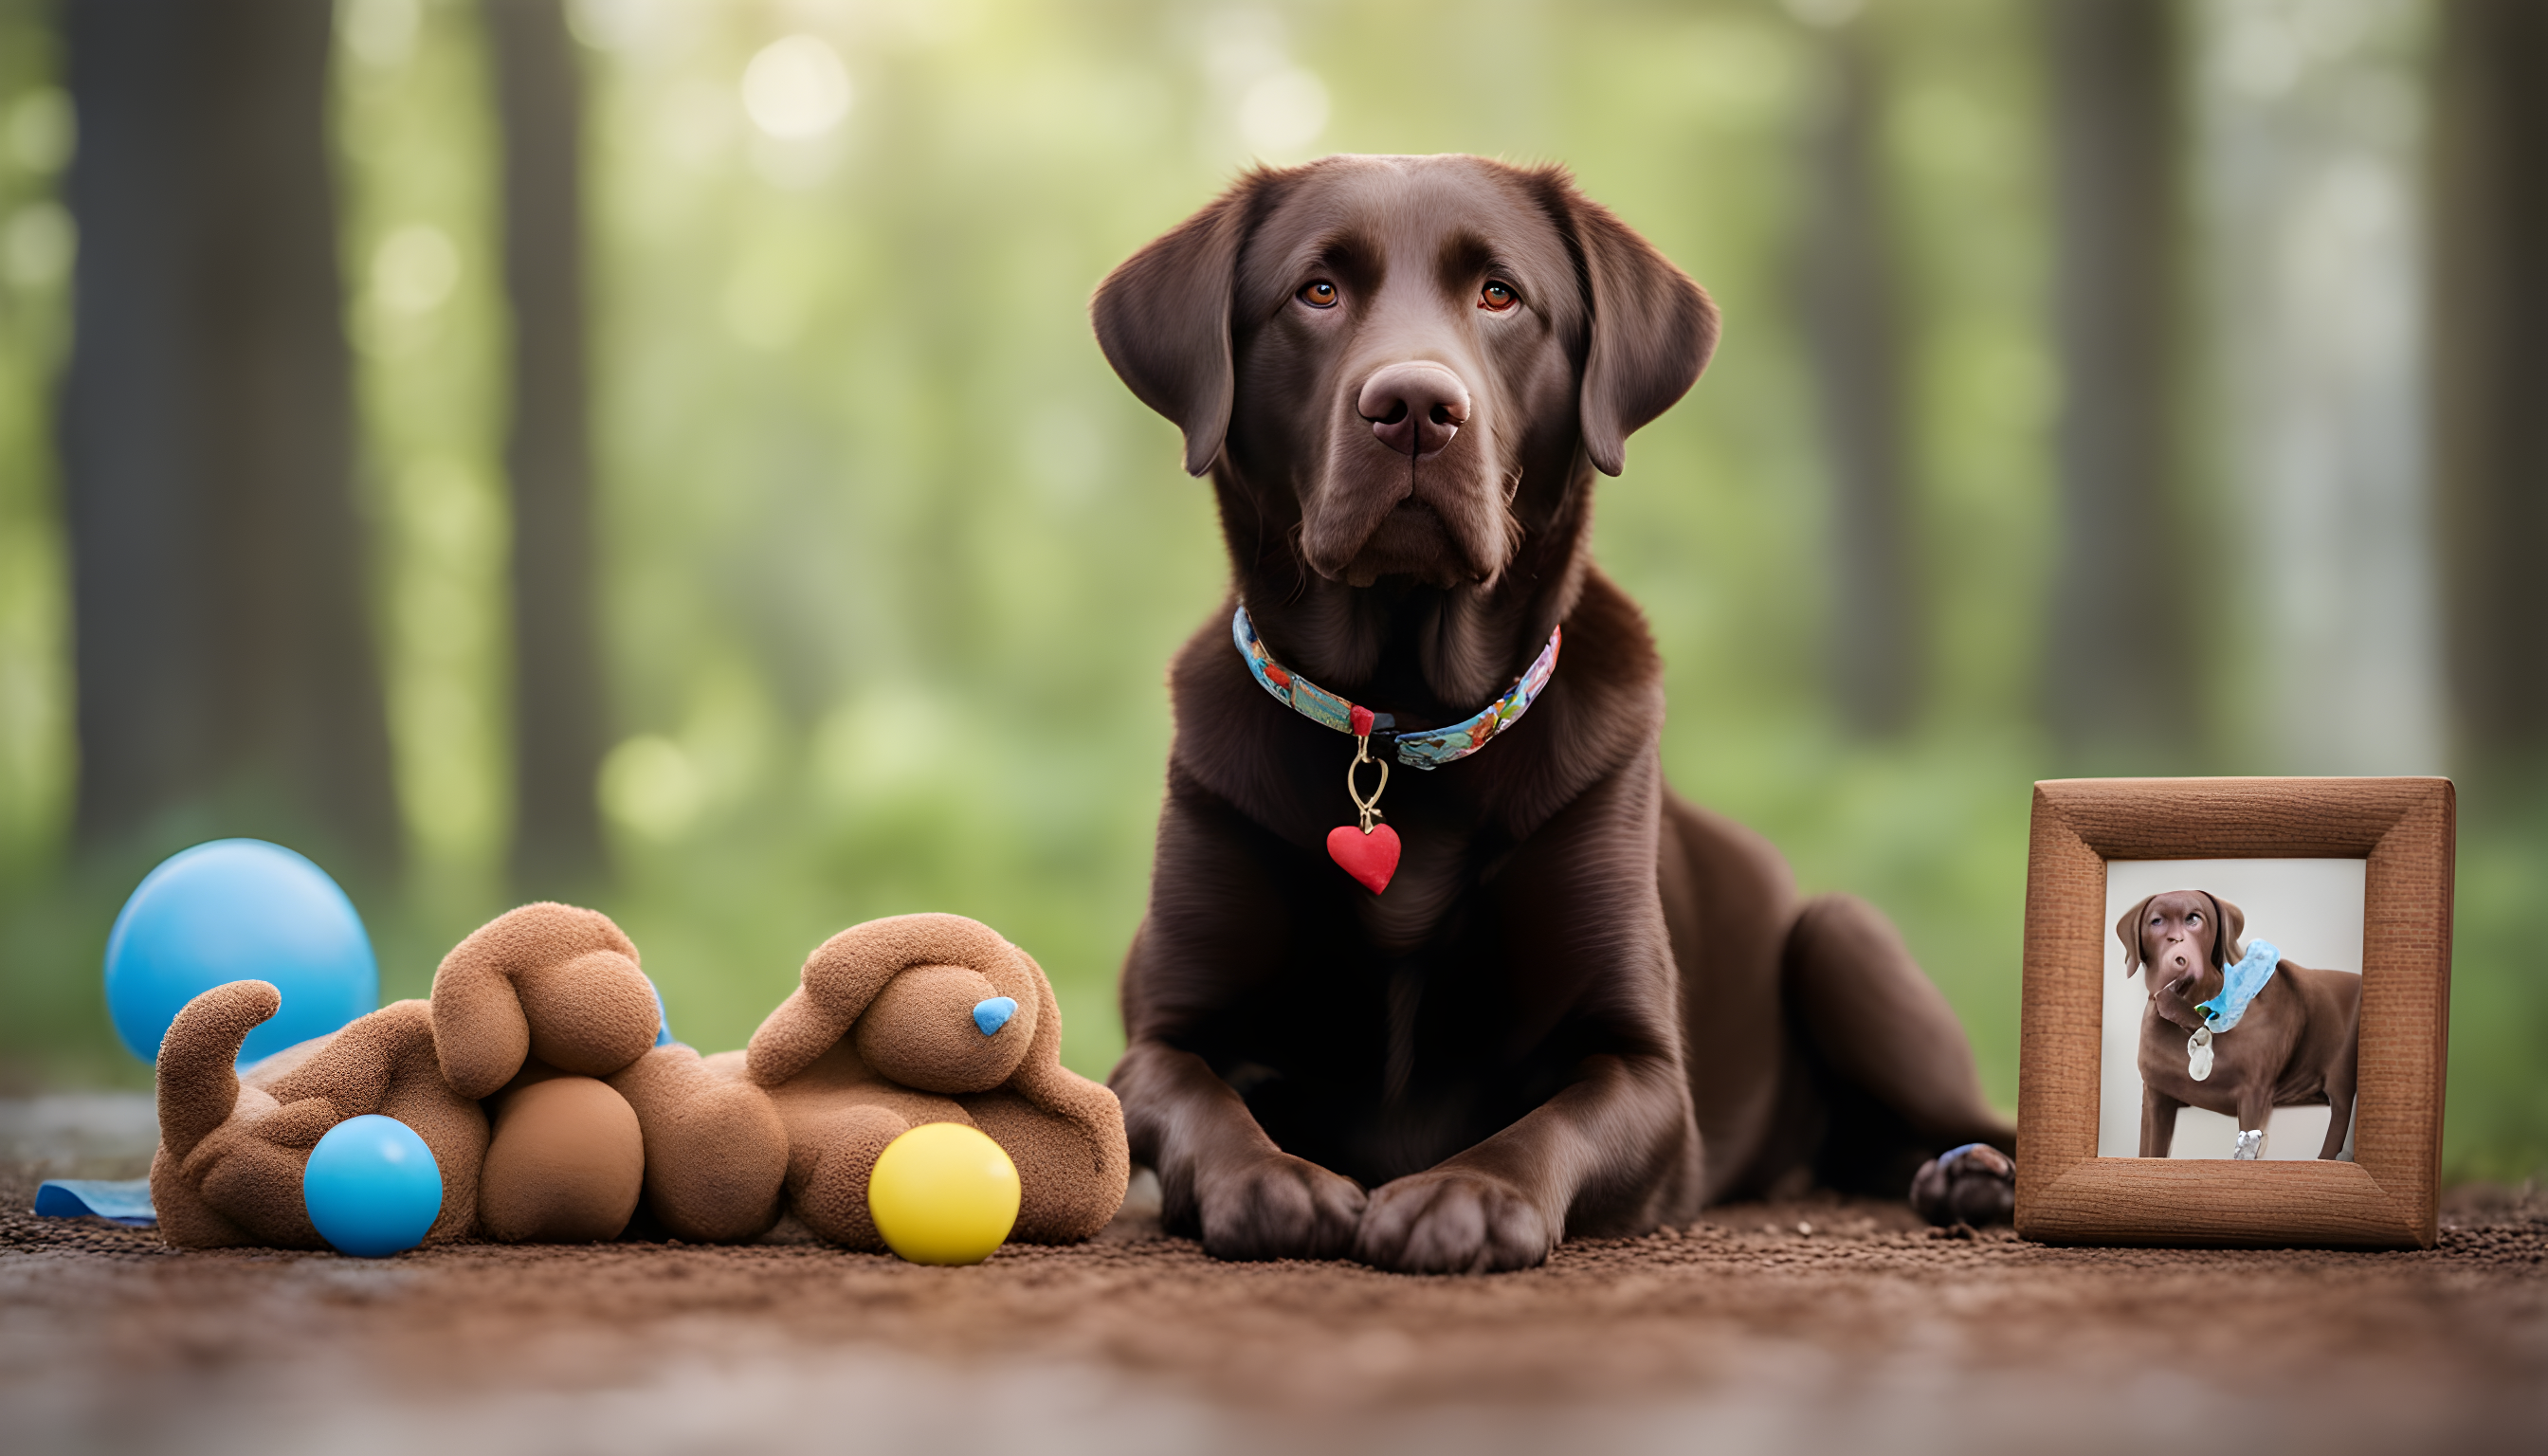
[372, 1187]
[236, 910]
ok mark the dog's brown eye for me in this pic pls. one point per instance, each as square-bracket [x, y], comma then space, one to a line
[1495, 298]
[1320, 295]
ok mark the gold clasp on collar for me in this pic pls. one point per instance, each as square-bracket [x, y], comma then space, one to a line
[1369, 808]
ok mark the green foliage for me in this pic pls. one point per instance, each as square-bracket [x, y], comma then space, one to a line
[2497, 1103]
[892, 565]
[38, 243]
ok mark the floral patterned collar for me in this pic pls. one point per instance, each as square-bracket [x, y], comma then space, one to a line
[1368, 850]
[1430, 749]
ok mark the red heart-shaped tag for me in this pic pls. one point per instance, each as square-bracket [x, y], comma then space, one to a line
[1370, 857]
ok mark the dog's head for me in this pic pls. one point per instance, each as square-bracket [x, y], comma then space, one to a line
[1403, 361]
[548, 981]
[2186, 938]
[934, 1002]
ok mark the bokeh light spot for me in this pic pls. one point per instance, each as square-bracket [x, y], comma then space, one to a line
[41, 129]
[1826, 15]
[651, 786]
[796, 88]
[38, 245]
[1284, 114]
[415, 269]
[380, 32]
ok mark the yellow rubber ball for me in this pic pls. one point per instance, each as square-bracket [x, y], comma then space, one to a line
[942, 1193]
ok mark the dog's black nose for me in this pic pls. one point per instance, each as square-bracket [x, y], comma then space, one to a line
[1415, 408]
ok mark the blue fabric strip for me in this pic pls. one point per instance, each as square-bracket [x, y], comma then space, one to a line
[2239, 985]
[125, 1201]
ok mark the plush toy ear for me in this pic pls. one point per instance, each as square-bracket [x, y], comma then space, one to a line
[545, 980]
[2228, 924]
[1035, 1077]
[1088, 1107]
[1163, 319]
[2128, 931]
[1653, 328]
[844, 975]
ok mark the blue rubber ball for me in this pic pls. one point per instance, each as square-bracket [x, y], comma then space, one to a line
[236, 910]
[372, 1187]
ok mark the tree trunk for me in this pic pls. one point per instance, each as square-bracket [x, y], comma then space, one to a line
[224, 654]
[1853, 332]
[2117, 631]
[2311, 146]
[2491, 378]
[557, 679]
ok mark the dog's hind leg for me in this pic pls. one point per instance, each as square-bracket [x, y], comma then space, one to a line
[1898, 1070]
[2339, 1110]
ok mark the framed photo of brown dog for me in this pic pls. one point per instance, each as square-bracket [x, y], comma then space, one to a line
[2236, 1010]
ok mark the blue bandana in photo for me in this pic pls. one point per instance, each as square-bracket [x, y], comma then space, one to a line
[2239, 985]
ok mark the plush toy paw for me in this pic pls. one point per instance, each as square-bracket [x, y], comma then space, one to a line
[831, 1157]
[1276, 1206]
[1071, 1175]
[232, 1150]
[716, 1153]
[1973, 1184]
[1452, 1220]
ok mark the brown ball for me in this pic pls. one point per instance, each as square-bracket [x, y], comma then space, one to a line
[566, 1163]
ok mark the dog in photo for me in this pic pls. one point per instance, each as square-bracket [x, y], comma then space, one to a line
[2295, 1043]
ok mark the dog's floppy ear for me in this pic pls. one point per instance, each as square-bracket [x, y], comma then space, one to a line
[2128, 931]
[1653, 328]
[2228, 924]
[1163, 319]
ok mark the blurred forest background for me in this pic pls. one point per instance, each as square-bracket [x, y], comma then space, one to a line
[652, 452]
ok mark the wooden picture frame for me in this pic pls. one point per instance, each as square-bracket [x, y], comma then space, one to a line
[2405, 830]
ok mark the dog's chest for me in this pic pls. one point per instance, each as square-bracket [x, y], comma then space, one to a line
[1379, 1066]
[1419, 904]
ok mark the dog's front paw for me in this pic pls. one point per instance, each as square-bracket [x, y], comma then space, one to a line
[1974, 1184]
[1278, 1207]
[1452, 1222]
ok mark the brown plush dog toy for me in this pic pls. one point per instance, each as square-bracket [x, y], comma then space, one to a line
[526, 1014]
[894, 1022]
[545, 1016]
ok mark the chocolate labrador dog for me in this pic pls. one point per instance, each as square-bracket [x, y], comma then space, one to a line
[1533, 994]
[2295, 1045]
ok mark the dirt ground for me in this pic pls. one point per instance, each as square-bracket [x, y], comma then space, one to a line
[1808, 1326]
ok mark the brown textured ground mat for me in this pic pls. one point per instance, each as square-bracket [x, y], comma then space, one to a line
[1791, 1327]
